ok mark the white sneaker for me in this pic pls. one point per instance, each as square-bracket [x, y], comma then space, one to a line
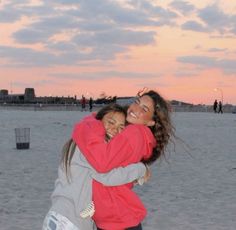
[89, 211]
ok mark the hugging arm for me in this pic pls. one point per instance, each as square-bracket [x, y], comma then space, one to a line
[115, 177]
[121, 175]
[125, 147]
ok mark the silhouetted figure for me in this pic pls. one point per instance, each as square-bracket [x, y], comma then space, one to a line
[220, 107]
[215, 105]
[83, 103]
[90, 104]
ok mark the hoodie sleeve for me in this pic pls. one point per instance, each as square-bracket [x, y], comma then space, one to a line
[127, 147]
[121, 175]
[88, 126]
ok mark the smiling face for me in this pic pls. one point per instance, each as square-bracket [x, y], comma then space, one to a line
[114, 123]
[141, 111]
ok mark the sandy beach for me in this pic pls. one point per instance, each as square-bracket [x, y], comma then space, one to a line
[193, 190]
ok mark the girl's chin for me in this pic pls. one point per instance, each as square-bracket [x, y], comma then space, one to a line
[129, 119]
[109, 136]
[132, 120]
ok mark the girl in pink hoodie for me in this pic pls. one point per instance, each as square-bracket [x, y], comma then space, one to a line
[144, 139]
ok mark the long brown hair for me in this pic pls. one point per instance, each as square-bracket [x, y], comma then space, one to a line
[163, 129]
[69, 147]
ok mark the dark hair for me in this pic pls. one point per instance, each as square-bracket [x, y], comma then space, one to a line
[110, 108]
[68, 149]
[163, 129]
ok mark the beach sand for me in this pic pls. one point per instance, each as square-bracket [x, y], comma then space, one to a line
[193, 191]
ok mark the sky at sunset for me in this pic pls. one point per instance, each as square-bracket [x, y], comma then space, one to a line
[186, 50]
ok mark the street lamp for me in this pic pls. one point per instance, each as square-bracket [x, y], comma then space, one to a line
[221, 92]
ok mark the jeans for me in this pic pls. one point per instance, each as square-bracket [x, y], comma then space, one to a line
[55, 221]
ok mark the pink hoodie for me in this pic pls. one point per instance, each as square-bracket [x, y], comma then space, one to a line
[117, 207]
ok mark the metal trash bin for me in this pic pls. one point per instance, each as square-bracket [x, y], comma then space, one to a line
[22, 138]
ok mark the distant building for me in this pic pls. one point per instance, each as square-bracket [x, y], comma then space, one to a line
[29, 97]
[10, 98]
[3, 92]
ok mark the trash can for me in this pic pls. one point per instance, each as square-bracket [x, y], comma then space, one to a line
[22, 138]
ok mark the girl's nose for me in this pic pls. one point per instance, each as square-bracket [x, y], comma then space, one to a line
[137, 109]
[115, 129]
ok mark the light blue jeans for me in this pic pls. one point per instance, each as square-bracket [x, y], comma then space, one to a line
[55, 221]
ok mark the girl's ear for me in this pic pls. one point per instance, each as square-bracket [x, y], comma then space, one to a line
[150, 123]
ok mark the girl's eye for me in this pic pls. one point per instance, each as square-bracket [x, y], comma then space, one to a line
[145, 110]
[120, 129]
[111, 122]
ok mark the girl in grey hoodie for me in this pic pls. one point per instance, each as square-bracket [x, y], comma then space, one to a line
[72, 205]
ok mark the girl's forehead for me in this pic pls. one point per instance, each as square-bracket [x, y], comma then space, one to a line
[147, 101]
[146, 98]
[114, 114]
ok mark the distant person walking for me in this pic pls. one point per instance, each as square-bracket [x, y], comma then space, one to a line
[90, 104]
[220, 107]
[215, 105]
[83, 103]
